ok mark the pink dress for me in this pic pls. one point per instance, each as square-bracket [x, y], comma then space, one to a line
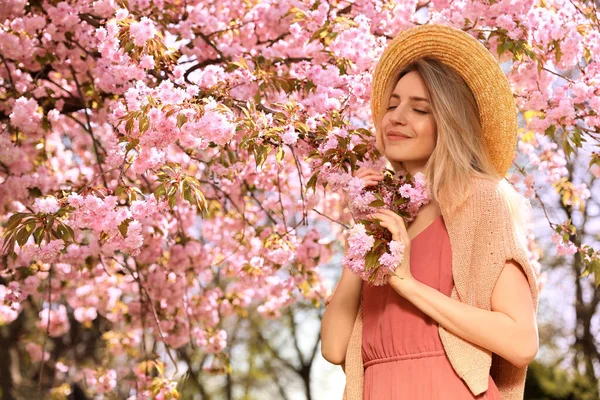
[402, 351]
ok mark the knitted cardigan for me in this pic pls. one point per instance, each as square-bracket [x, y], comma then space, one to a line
[482, 238]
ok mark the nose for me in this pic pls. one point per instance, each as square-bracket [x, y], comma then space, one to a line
[398, 116]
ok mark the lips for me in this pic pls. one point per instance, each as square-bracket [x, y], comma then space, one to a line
[397, 136]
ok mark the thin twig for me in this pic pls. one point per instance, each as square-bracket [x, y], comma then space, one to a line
[47, 329]
[331, 219]
[10, 78]
[280, 201]
[89, 128]
[299, 168]
[259, 203]
[522, 171]
[154, 313]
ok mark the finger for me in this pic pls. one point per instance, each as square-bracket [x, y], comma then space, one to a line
[390, 213]
[374, 218]
[380, 217]
[365, 175]
[368, 171]
[390, 228]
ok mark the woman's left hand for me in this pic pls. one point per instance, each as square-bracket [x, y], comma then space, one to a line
[395, 224]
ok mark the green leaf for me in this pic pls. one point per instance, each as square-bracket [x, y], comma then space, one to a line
[172, 200]
[31, 224]
[550, 131]
[22, 235]
[144, 123]
[38, 234]
[371, 260]
[14, 220]
[594, 268]
[159, 367]
[71, 234]
[181, 119]
[558, 51]
[61, 231]
[577, 138]
[594, 160]
[587, 55]
[134, 193]
[231, 156]
[159, 191]
[377, 203]
[260, 154]
[567, 148]
[503, 47]
[170, 111]
[280, 154]
[319, 33]
[312, 182]
[119, 191]
[201, 200]
[188, 195]
[360, 148]
[129, 125]
[123, 226]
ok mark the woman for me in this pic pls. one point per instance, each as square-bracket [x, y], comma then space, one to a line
[457, 320]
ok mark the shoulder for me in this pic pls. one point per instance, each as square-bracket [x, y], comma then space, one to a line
[498, 204]
[489, 193]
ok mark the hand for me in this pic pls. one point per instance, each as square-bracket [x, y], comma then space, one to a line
[369, 175]
[395, 224]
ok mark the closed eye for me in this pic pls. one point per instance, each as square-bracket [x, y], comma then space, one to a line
[414, 109]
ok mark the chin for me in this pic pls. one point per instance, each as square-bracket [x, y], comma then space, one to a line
[397, 156]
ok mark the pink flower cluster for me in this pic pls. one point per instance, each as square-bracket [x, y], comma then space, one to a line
[360, 198]
[26, 116]
[142, 31]
[100, 381]
[54, 321]
[567, 248]
[10, 305]
[362, 240]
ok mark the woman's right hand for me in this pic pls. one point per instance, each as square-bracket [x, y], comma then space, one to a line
[371, 176]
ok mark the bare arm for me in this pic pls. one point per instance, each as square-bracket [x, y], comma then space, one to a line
[509, 329]
[339, 316]
[342, 307]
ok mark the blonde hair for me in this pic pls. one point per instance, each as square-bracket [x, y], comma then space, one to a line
[460, 152]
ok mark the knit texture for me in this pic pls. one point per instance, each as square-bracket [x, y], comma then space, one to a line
[482, 238]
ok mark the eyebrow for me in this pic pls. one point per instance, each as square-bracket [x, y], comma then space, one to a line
[415, 98]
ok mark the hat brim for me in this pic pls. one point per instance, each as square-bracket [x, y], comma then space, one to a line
[474, 63]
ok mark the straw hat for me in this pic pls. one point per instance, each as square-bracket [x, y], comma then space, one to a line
[474, 63]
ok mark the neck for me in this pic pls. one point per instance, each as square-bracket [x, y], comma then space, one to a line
[412, 167]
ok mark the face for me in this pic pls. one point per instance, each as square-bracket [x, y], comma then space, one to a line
[408, 127]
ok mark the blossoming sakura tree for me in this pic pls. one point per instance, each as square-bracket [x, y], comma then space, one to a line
[166, 164]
